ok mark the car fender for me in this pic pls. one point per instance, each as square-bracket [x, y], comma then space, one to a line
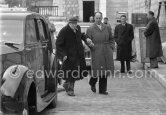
[12, 78]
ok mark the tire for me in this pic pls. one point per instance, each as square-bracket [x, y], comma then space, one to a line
[29, 110]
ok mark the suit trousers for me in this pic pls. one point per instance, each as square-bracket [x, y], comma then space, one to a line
[123, 66]
[153, 62]
[102, 83]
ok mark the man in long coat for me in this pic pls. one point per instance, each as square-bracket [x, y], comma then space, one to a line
[123, 36]
[153, 40]
[70, 49]
[102, 53]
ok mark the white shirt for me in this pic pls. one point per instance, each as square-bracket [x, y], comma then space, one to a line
[100, 27]
[123, 24]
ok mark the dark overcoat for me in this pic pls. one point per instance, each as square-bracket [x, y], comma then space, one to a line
[153, 40]
[69, 44]
[123, 36]
[102, 52]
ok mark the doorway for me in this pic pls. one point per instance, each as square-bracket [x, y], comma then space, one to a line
[88, 10]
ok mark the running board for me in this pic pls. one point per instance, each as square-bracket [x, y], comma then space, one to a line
[42, 103]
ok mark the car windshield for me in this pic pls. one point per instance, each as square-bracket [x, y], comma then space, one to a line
[11, 31]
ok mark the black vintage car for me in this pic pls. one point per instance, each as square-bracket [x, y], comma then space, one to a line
[27, 63]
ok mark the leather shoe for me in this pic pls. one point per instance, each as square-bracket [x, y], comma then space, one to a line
[93, 88]
[71, 93]
[129, 72]
[103, 93]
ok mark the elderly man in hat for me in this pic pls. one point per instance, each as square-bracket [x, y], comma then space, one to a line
[70, 49]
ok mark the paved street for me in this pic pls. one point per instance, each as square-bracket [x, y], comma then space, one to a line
[127, 96]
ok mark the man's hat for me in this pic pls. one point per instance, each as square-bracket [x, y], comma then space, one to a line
[73, 19]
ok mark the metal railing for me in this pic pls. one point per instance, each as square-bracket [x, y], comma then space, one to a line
[46, 10]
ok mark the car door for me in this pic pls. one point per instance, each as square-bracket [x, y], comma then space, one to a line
[43, 36]
[34, 54]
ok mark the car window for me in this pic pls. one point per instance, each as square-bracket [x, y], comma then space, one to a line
[42, 30]
[9, 33]
[45, 29]
[30, 32]
[44, 33]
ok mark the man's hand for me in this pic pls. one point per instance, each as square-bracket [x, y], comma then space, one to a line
[65, 58]
[88, 40]
[90, 43]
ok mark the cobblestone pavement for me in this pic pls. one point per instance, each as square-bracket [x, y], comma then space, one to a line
[127, 96]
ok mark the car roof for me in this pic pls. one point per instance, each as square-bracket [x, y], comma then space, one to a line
[15, 15]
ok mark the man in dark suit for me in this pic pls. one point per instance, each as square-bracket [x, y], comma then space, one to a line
[123, 36]
[153, 41]
[70, 49]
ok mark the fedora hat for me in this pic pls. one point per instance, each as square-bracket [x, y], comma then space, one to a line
[73, 20]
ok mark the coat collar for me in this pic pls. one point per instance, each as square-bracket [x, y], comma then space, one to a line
[70, 29]
[124, 29]
[102, 27]
[151, 20]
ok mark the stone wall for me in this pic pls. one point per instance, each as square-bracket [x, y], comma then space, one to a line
[44, 2]
[61, 6]
[71, 8]
[114, 6]
[107, 7]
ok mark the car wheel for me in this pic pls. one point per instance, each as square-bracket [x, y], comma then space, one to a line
[27, 112]
[29, 92]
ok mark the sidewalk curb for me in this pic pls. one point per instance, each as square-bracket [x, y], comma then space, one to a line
[159, 77]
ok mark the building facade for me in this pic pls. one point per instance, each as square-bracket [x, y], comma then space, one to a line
[110, 8]
[42, 2]
[86, 8]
